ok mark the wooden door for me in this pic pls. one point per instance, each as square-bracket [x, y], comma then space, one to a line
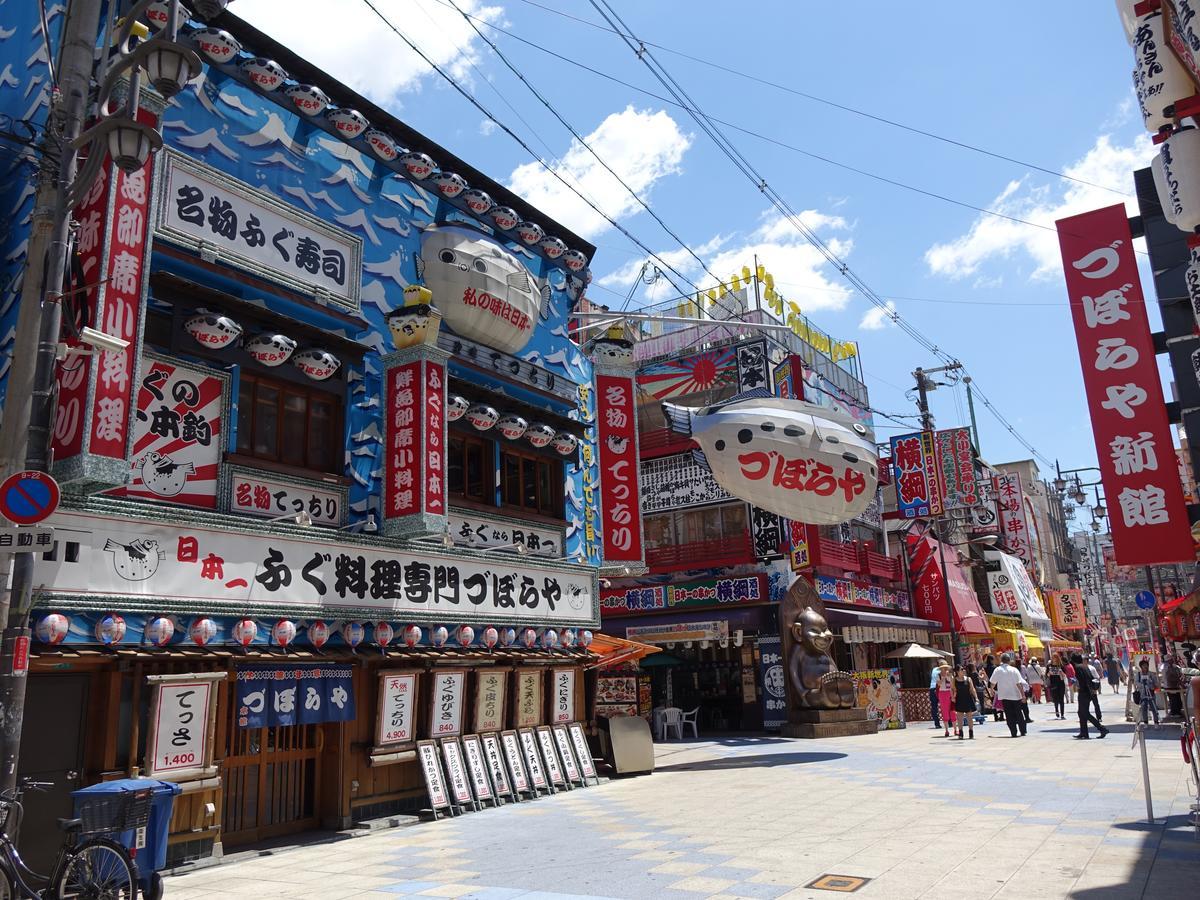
[272, 782]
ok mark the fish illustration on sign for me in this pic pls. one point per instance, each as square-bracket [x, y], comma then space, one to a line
[792, 458]
[135, 561]
[163, 476]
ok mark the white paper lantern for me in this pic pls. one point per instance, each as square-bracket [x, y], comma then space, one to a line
[549, 638]
[383, 633]
[354, 633]
[575, 260]
[465, 635]
[219, 46]
[419, 165]
[52, 628]
[553, 247]
[482, 417]
[450, 184]
[270, 349]
[569, 637]
[483, 290]
[245, 631]
[318, 633]
[284, 632]
[478, 201]
[439, 636]
[1160, 186]
[1128, 17]
[1191, 278]
[490, 637]
[530, 233]
[539, 434]
[159, 631]
[412, 636]
[265, 74]
[202, 631]
[1180, 155]
[764, 451]
[529, 638]
[512, 426]
[110, 629]
[381, 144]
[158, 14]
[212, 329]
[316, 364]
[508, 637]
[1196, 364]
[456, 407]
[349, 123]
[564, 443]
[585, 638]
[307, 98]
[1159, 79]
[505, 217]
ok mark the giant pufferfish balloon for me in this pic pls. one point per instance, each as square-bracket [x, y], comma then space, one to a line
[795, 459]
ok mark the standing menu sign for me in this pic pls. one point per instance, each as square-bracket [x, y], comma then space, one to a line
[537, 775]
[456, 773]
[582, 751]
[489, 700]
[396, 723]
[446, 702]
[527, 705]
[562, 699]
[546, 742]
[183, 713]
[511, 745]
[1147, 515]
[494, 757]
[477, 768]
[431, 768]
[563, 742]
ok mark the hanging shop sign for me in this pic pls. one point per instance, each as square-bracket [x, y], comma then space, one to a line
[1014, 520]
[840, 590]
[205, 210]
[752, 366]
[396, 722]
[766, 532]
[1183, 34]
[95, 393]
[415, 478]
[695, 594]
[1147, 516]
[985, 515]
[955, 455]
[476, 530]
[527, 698]
[878, 692]
[125, 557]
[617, 419]
[254, 494]
[301, 694]
[178, 433]
[915, 474]
[510, 367]
[183, 714]
[800, 557]
[1018, 595]
[774, 692]
[562, 696]
[490, 685]
[446, 702]
[1069, 612]
[680, 631]
[671, 482]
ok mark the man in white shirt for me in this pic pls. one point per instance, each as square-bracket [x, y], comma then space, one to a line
[1010, 690]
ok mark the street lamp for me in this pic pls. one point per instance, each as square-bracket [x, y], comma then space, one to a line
[1099, 510]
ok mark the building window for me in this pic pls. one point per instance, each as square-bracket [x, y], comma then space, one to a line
[531, 483]
[469, 468]
[286, 423]
[713, 523]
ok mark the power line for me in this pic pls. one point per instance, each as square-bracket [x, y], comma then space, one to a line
[832, 103]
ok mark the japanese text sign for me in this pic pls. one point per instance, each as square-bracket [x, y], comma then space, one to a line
[306, 694]
[182, 722]
[1014, 522]
[712, 592]
[617, 417]
[1147, 516]
[914, 471]
[431, 768]
[528, 692]
[955, 454]
[489, 700]
[562, 709]
[254, 494]
[1068, 610]
[202, 208]
[456, 772]
[416, 437]
[446, 703]
[397, 709]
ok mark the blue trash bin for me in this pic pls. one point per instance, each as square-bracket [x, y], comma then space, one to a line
[153, 855]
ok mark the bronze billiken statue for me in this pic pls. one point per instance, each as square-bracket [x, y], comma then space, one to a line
[816, 681]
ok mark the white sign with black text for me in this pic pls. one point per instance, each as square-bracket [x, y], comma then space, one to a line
[397, 707]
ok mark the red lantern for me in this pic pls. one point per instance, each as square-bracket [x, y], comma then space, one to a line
[318, 633]
[245, 631]
[490, 637]
[412, 636]
[284, 632]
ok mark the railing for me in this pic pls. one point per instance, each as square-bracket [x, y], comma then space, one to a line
[701, 555]
[880, 566]
[834, 554]
[662, 441]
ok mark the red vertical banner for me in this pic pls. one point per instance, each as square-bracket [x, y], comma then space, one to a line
[619, 494]
[435, 438]
[1147, 515]
[402, 491]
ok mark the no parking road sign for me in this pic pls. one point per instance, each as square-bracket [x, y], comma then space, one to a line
[27, 498]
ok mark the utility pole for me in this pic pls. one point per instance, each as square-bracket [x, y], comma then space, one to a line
[971, 410]
[925, 384]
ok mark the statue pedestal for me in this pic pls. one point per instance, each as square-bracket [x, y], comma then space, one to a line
[827, 723]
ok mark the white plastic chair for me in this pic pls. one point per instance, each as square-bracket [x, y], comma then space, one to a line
[672, 718]
[689, 718]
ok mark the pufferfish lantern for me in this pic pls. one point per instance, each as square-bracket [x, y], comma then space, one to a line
[265, 74]
[212, 329]
[308, 98]
[456, 407]
[512, 426]
[564, 443]
[539, 434]
[316, 364]
[270, 349]
[795, 459]
[482, 417]
[484, 292]
[218, 45]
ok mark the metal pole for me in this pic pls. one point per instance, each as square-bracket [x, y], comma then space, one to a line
[81, 28]
[971, 410]
[923, 400]
[946, 589]
[1139, 737]
[757, 298]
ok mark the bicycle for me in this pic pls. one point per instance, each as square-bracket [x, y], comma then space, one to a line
[89, 865]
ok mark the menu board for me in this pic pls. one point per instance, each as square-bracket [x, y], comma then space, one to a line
[431, 768]
[456, 773]
[527, 692]
[477, 768]
[489, 700]
[446, 702]
[396, 720]
[563, 742]
[537, 775]
[546, 743]
[511, 745]
[562, 696]
[582, 751]
[493, 755]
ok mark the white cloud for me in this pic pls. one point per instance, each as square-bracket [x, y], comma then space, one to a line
[487, 127]
[991, 238]
[639, 145]
[876, 319]
[350, 42]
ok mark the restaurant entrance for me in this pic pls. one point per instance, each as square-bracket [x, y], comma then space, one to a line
[719, 682]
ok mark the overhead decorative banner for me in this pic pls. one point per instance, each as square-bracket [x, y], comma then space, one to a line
[708, 371]
[1014, 521]
[1014, 577]
[839, 590]
[1069, 612]
[1147, 515]
[306, 694]
[695, 594]
[178, 433]
[617, 417]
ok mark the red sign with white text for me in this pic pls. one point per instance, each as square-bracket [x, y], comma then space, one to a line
[435, 452]
[416, 455]
[1147, 515]
[619, 495]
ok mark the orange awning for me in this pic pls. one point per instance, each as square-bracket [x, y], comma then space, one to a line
[613, 650]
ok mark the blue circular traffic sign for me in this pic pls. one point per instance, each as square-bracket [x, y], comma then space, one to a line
[1144, 600]
[27, 498]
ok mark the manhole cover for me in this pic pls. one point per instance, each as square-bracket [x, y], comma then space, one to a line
[842, 884]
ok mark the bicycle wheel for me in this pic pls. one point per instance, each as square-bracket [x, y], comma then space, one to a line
[96, 870]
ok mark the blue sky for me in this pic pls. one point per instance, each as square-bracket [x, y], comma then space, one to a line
[1048, 85]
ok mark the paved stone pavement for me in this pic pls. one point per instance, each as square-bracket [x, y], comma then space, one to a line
[917, 814]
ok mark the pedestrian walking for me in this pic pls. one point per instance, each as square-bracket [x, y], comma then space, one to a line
[1145, 687]
[1173, 687]
[966, 701]
[1116, 674]
[945, 695]
[933, 697]
[1056, 686]
[989, 665]
[1088, 687]
[1010, 691]
[1036, 680]
[981, 692]
[1069, 672]
[1095, 673]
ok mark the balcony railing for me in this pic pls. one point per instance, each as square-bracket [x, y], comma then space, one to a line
[701, 555]
[880, 566]
[833, 554]
[662, 441]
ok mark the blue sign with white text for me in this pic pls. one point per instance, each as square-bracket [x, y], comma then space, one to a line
[295, 695]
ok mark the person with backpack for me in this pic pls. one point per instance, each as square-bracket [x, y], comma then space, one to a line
[1145, 686]
[1087, 686]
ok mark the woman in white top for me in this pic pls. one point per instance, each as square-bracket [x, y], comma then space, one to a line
[1035, 679]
